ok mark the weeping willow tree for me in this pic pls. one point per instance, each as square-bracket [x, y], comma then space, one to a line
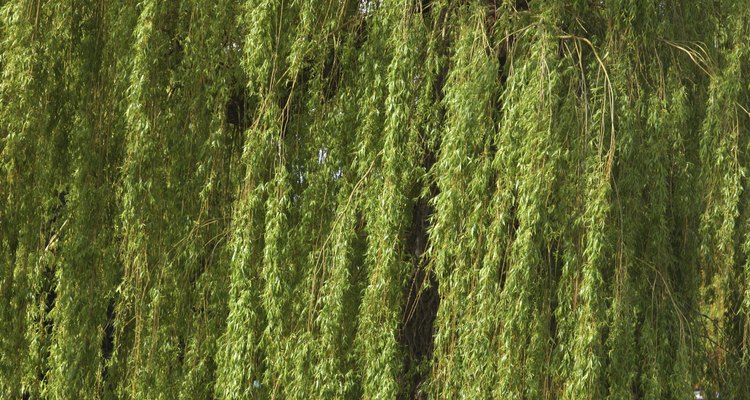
[309, 199]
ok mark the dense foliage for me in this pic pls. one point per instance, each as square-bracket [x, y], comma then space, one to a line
[320, 199]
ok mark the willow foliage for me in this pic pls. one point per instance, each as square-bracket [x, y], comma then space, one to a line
[300, 199]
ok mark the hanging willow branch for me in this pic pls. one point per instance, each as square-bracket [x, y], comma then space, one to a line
[315, 199]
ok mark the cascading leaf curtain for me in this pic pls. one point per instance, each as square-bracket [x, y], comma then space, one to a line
[391, 199]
